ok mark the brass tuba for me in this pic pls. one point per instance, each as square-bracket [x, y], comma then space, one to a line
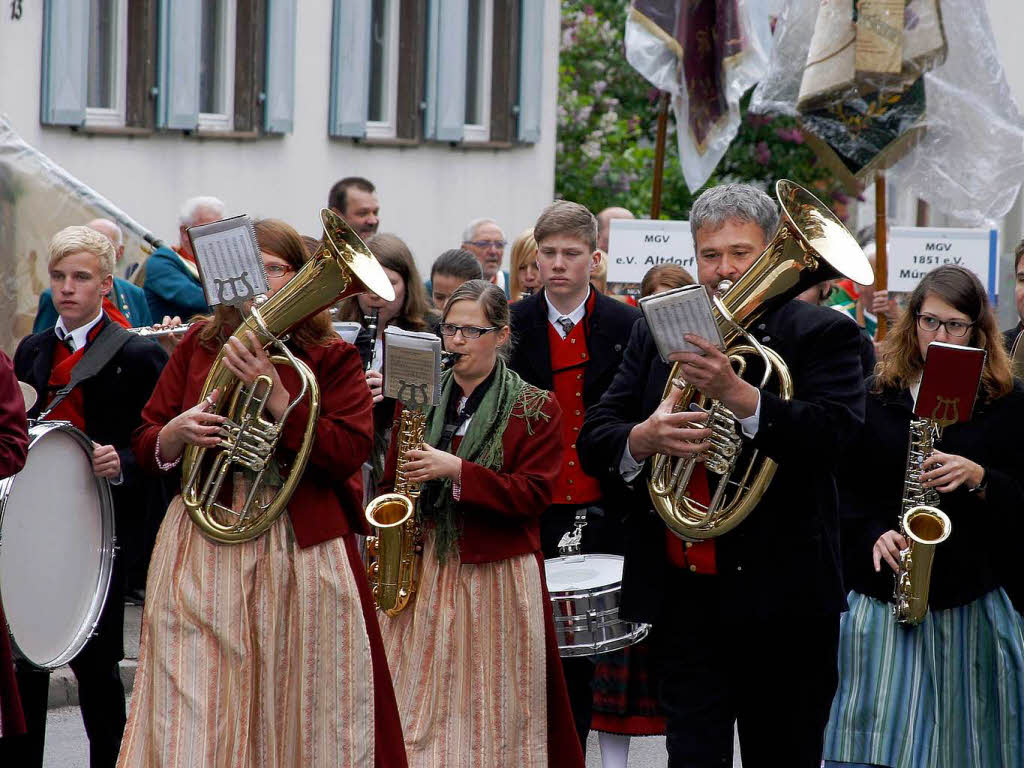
[810, 246]
[392, 562]
[343, 266]
[924, 526]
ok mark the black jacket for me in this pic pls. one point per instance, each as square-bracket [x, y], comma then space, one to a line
[607, 328]
[784, 558]
[967, 564]
[1011, 335]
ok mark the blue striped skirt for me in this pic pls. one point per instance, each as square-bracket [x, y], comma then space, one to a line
[946, 694]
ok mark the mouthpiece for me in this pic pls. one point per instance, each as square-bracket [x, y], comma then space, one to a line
[448, 359]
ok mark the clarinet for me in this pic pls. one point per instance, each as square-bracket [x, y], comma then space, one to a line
[371, 326]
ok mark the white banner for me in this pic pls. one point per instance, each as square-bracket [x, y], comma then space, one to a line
[916, 251]
[636, 245]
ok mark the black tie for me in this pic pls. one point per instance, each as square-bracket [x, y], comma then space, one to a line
[69, 341]
[566, 323]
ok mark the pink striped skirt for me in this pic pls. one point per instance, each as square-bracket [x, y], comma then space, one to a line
[253, 655]
[468, 662]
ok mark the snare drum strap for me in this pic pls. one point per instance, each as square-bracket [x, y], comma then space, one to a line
[100, 352]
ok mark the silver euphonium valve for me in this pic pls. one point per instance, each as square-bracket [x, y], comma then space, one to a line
[922, 524]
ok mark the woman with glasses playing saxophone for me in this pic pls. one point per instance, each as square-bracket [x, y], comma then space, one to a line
[474, 657]
[265, 652]
[949, 691]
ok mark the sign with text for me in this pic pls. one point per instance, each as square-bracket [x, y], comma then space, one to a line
[915, 251]
[636, 245]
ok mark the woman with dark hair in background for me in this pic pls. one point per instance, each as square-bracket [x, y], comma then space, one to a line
[664, 277]
[948, 692]
[409, 310]
[474, 657]
[265, 652]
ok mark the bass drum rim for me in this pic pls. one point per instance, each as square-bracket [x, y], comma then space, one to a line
[108, 550]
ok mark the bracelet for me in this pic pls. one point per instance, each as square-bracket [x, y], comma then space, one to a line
[982, 485]
[162, 466]
[457, 485]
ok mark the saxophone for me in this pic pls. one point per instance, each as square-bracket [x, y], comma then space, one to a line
[924, 526]
[392, 562]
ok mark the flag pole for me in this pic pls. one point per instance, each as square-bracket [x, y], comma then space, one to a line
[659, 157]
[881, 244]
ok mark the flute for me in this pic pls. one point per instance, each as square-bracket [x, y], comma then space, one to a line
[156, 331]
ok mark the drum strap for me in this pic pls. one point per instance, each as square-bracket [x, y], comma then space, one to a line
[100, 352]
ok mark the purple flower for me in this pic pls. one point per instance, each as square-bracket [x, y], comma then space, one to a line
[762, 153]
[757, 120]
[790, 134]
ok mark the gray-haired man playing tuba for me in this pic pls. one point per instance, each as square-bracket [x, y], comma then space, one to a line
[748, 619]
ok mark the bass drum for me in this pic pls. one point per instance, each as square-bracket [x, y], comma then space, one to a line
[585, 592]
[56, 546]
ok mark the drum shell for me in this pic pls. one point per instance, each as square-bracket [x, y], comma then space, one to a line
[587, 620]
[95, 552]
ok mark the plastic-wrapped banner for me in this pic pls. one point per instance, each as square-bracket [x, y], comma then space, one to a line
[706, 55]
[916, 87]
[37, 199]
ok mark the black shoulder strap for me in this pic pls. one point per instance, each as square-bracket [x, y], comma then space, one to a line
[100, 352]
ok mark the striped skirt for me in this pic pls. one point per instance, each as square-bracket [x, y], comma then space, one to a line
[946, 694]
[252, 655]
[468, 663]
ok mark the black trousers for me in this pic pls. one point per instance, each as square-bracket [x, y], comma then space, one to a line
[602, 534]
[774, 678]
[100, 693]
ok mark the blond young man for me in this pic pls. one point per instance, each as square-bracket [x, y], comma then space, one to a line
[107, 408]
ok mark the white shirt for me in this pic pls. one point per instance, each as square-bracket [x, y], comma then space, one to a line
[576, 315]
[80, 335]
[629, 467]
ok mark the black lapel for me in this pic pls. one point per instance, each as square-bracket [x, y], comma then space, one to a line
[536, 347]
[602, 346]
[41, 364]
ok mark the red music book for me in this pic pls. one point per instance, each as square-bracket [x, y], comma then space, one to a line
[949, 386]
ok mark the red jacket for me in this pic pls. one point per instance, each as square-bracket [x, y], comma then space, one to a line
[327, 503]
[501, 509]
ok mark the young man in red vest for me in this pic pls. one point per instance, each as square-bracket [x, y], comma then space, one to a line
[570, 339]
[107, 407]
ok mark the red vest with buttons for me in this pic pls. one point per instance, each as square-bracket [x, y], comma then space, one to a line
[695, 556]
[72, 407]
[569, 357]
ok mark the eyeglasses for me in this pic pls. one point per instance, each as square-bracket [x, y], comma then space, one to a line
[499, 244]
[468, 331]
[956, 328]
[277, 270]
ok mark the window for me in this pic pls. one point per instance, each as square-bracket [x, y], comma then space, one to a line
[479, 29]
[384, 39]
[217, 65]
[107, 63]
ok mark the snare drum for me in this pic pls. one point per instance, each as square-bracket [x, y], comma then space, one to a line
[585, 595]
[56, 546]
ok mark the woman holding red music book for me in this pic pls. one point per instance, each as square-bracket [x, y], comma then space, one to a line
[949, 691]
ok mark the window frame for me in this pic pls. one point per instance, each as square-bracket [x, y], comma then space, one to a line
[477, 133]
[388, 128]
[116, 116]
[224, 121]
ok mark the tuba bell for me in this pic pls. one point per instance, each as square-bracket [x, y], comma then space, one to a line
[811, 245]
[341, 267]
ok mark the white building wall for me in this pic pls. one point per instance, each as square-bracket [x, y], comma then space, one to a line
[428, 192]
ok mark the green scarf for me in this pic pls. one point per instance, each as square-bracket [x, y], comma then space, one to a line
[481, 444]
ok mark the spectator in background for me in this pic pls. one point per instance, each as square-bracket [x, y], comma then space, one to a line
[450, 270]
[1011, 335]
[604, 224]
[171, 278]
[125, 302]
[355, 200]
[486, 240]
[664, 277]
[524, 276]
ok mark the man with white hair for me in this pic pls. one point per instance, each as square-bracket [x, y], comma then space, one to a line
[171, 280]
[125, 304]
[486, 240]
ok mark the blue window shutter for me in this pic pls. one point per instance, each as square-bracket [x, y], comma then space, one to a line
[178, 80]
[350, 68]
[531, 69]
[279, 112]
[446, 70]
[65, 62]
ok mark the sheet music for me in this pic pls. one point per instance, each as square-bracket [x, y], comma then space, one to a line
[229, 260]
[673, 314]
[412, 367]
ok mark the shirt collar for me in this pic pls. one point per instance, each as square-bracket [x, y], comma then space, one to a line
[81, 334]
[576, 315]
